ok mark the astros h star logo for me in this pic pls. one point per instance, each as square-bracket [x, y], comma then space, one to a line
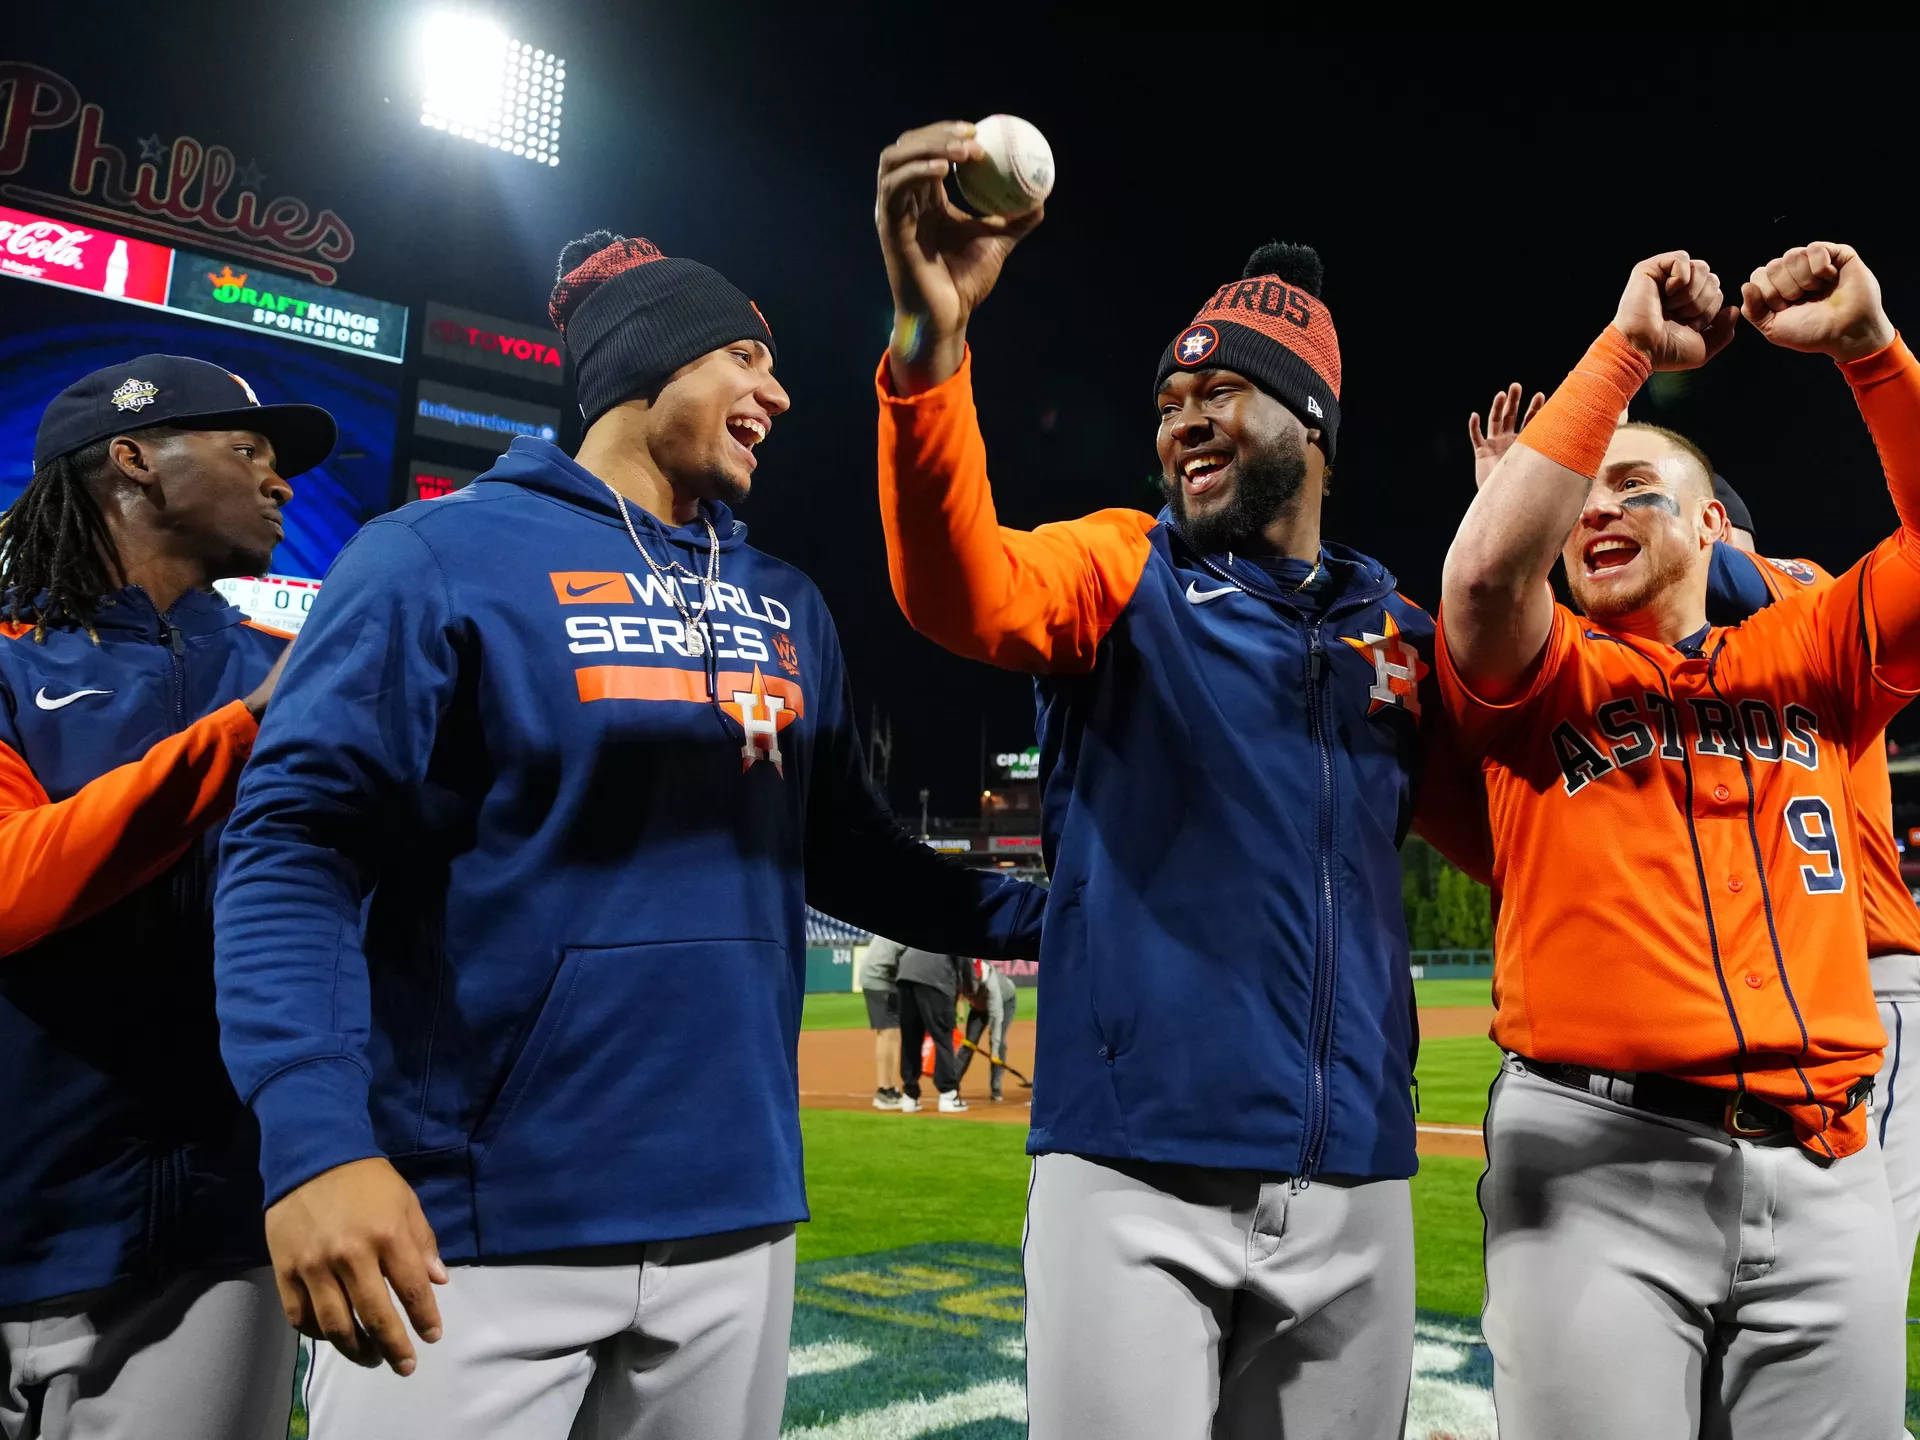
[759, 716]
[1397, 668]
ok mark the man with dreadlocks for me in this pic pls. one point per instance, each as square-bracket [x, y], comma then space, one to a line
[134, 1293]
[512, 912]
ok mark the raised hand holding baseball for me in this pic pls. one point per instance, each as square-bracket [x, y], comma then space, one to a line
[1820, 298]
[941, 261]
[1672, 311]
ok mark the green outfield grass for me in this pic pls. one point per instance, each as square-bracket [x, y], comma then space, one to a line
[847, 1010]
[1445, 994]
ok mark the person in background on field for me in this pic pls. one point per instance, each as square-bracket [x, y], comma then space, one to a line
[991, 1002]
[930, 984]
[879, 972]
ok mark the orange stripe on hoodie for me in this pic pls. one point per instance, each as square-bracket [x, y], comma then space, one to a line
[1037, 601]
[63, 863]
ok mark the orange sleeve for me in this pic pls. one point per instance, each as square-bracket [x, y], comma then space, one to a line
[62, 863]
[1036, 601]
[1451, 812]
[1476, 721]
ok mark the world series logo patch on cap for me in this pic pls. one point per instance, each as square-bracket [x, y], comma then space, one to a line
[135, 395]
[1196, 344]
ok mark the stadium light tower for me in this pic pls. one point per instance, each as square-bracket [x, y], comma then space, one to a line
[481, 84]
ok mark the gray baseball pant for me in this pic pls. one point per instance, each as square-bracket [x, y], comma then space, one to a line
[1896, 1100]
[678, 1340]
[1171, 1302]
[204, 1356]
[1661, 1279]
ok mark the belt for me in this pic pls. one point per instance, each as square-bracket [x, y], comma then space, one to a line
[1731, 1112]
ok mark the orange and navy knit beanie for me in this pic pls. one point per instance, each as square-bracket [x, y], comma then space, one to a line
[1270, 326]
[631, 316]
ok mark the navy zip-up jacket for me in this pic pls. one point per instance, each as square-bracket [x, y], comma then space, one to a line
[514, 892]
[1228, 774]
[124, 1152]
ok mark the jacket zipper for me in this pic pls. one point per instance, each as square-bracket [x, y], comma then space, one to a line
[177, 643]
[1313, 1141]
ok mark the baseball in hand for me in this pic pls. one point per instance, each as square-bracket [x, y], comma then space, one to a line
[1015, 174]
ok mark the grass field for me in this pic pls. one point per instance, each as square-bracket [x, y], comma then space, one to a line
[848, 1011]
[883, 1183]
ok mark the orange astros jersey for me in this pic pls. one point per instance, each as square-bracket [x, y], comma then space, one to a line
[1676, 858]
[1892, 920]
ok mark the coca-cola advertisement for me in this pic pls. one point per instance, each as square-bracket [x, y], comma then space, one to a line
[59, 252]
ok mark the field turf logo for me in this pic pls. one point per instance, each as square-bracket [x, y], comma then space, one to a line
[930, 1340]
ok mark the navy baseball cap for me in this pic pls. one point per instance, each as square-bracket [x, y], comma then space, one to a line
[188, 394]
[1731, 502]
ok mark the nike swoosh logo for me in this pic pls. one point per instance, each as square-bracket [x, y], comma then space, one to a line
[40, 698]
[1200, 597]
[578, 590]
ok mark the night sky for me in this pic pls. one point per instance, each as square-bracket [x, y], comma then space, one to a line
[1478, 201]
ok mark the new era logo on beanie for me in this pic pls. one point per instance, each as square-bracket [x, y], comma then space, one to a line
[1271, 326]
[631, 315]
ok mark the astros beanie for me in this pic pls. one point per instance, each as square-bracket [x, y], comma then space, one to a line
[1270, 326]
[631, 316]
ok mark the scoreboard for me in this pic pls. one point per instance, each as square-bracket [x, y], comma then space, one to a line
[277, 600]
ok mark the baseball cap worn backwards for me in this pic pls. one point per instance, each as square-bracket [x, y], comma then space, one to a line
[186, 394]
[631, 315]
[1271, 326]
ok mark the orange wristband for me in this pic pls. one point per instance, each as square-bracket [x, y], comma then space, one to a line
[1576, 424]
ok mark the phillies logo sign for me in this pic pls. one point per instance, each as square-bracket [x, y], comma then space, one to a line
[492, 342]
[185, 191]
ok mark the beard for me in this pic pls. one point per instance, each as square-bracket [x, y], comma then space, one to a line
[1268, 484]
[1615, 602]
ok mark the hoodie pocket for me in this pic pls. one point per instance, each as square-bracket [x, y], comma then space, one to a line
[654, 1068]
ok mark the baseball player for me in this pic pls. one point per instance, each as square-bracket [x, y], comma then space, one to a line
[135, 1298]
[991, 1006]
[511, 915]
[1741, 582]
[1219, 1236]
[1679, 1187]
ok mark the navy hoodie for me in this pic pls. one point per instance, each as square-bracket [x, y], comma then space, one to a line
[1229, 767]
[124, 1152]
[514, 891]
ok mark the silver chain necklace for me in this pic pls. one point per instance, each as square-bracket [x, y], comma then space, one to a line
[694, 620]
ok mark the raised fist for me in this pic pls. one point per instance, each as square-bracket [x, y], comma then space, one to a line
[1672, 312]
[1821, 298]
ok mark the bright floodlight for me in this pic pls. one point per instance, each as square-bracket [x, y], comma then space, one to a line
[485, 86]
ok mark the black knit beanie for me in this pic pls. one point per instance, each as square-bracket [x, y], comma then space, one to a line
[631, 316]
[1271, 326]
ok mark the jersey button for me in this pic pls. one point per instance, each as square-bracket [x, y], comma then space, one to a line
[1736, 884]
[1720, 792]
[1754, 982]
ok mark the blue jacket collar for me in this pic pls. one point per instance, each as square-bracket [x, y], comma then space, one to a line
[545, 468]
[198, 612]
[1367, 581]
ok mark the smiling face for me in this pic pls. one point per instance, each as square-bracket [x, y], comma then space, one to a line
[1648, 526]
[212, 496]
[701, 429]
[1232, 458]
